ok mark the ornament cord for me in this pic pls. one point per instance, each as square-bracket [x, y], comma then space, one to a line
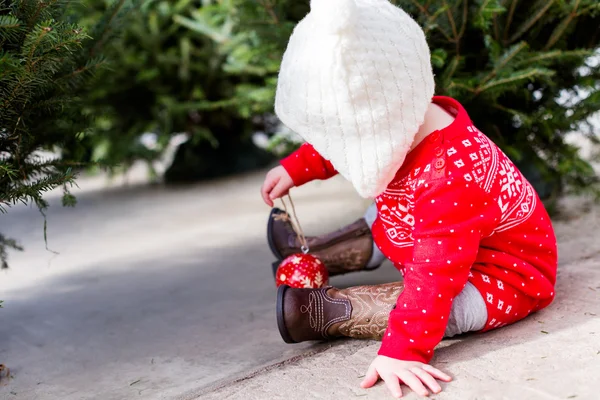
[295, 222]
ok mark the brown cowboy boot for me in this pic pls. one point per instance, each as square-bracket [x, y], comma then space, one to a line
[346, 250]
[359, 312]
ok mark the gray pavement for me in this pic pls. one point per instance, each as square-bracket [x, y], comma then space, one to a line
[166, 293]
[154, 291]
[554, 354]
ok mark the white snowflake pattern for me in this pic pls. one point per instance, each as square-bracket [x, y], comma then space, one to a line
[500, 304]
[319, 279]
[306, 282]
[459, 163]
[296, 276]
[467, 143]
[451, 151]
[485, 278]
[490, 298]
[508, 309]
[500, 285]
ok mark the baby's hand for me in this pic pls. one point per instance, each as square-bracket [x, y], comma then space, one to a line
[277, 184]
[411, 373]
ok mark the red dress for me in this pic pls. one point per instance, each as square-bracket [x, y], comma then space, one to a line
[458, 210]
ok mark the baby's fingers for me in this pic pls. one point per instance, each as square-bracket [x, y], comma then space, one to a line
[280, 189]
[266, 189]
[436, 373]
[393, 384]
[412, 382]
[371, 378]
[427, 379]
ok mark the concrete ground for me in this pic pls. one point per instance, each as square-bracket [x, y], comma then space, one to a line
[166, 293]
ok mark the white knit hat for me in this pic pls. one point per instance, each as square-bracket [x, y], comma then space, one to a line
[355, 82]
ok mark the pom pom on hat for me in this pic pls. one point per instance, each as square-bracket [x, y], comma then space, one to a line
[334, 16]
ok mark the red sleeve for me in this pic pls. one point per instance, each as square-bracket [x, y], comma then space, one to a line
[450, 218]
[305, 165]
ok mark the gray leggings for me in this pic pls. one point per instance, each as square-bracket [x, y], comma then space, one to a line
[468, 313]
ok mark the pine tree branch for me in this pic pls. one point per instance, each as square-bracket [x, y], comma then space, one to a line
[588, 9]
[454, 84]
[13, 94]
[451, 69]
[434, 17]
[420, 7]
[562, 27]
[41, 208]
[36, 15]
[555, 55]
[531, 21]
[465, 16]
[509, 18]
[506, 58]
[82, 70]
[32, 191]
[450, 19]
[268, 6]
[524, 117]
[74, 41]
[43, 33]
[6, 243]
[431, 18]
[527, 74]
[116, 8]
[9, 22]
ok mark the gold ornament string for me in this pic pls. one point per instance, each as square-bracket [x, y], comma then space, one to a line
[295, 222]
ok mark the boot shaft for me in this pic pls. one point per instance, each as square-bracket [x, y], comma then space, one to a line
[345, 250]
[360, 312]
[371, 307]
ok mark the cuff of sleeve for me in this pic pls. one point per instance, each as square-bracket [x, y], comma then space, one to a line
[295, 168]
[403, 352]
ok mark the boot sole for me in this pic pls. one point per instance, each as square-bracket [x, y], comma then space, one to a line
[274, 250]
[280, 320]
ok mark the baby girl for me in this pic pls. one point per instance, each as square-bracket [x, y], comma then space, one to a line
[455, 216]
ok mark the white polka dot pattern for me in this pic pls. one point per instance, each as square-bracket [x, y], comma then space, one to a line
[442, 229]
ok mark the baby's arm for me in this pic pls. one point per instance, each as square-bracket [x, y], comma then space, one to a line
[450, 217]
[305, 165]
[302, 166]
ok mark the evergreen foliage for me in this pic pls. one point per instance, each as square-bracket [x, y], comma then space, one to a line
[46, 61]
[524, 69]
[206, 68]
[528, 73]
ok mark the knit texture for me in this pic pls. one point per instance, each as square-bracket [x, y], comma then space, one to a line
[457, 211]
[355, 82]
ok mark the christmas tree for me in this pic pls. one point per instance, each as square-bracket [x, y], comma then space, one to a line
[194, 66]
[45, 63]
[525, 70]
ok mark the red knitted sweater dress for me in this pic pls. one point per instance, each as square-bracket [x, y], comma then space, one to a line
[458, 210]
